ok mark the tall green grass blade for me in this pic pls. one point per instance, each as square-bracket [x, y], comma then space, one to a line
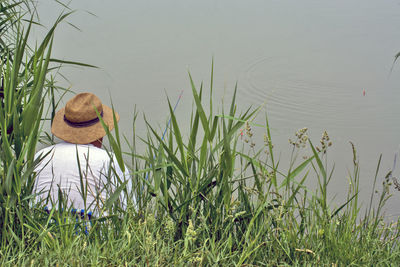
[200, 110]
[178, 137]
[271, 151]
[296, 171]
[113, 141]
[335, 212]
[373, 187]
[9, 178]
[76, 63]
[115, 195]
[49, 36]
[211, 87]
[233, 107]
[295, 192]
[193, 135]
[318, 160]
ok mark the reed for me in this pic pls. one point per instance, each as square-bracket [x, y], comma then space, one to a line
[25, 88]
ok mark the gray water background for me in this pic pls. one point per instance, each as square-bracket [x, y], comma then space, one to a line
[307, 61]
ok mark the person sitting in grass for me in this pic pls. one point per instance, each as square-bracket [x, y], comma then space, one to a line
[88, 182]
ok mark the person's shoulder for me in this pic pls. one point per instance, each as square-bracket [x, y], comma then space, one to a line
[96, 153]
[62, 148]
[45, 150]
[97, 150]
[68, 148]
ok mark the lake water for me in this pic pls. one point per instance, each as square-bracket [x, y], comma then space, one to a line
[308, 61]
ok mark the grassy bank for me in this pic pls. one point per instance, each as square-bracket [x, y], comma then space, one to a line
[214, 196]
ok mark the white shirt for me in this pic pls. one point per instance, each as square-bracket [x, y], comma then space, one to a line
[60, 170]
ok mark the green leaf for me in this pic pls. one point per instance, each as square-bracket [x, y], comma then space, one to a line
[319, 162]
[9, 177]
[344, 205]
[296, 171]
[178, 137]
[73, 63]
[110, 201]
[200, 110]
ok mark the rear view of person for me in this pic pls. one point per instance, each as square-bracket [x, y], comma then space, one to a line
[88, 182]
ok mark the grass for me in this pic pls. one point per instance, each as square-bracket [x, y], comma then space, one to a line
[211, 197]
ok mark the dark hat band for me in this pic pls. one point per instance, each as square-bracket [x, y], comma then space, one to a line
[83, 123]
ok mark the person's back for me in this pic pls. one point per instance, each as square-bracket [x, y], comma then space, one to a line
[86, 185]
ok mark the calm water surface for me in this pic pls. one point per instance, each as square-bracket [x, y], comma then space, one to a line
[308, 61]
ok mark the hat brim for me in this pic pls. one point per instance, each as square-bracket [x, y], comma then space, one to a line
[82, 135]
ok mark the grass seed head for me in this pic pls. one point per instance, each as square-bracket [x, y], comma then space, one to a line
[301, 138]
[191, 233]
[170, 226]
[150, 242]
[325, 143]
[249, 132]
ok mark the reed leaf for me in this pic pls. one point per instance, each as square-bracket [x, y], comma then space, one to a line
[200, 110]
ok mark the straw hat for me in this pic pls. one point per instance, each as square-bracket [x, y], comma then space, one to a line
[78, 123]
